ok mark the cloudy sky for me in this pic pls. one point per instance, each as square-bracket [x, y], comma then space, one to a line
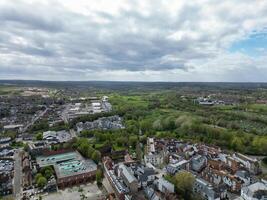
[134, 40]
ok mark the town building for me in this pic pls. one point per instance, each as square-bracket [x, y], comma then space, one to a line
[5, 141]
[6, 176]
[255, 191]
[120, 188]
[176, 167]
[154, 156]
[128, 177]
[38, 147]
[151, 194]
[164, 186]
[26, 170]
[70, 167]
[198, 163]
[104, 123]
[251, 164]
[56, 137]
[6, 151]
[145, 175]
[208, 191]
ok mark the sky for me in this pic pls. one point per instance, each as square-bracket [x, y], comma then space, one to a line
[134, 40]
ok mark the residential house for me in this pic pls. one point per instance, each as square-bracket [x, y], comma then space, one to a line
[255, 191]
[145, 175]
[251, 164]
[128, 177]
[151, 194]
[208, 191]
[198, 163]
[164, 186]
[175, 167]
[244, 176]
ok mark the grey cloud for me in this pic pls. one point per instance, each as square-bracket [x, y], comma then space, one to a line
[30, 18]
[58, 40]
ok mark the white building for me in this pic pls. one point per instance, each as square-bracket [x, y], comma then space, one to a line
[256, 191]
[164, 186]
[155, 159]
[251, 164]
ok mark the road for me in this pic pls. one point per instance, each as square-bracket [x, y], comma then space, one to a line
[34, 120]
[73, 133]
[107, 186]
[64, 114]
[17, 175]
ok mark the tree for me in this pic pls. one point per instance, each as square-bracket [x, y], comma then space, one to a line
[264, 160]
[99, 177]
[96, 156]
[145, 125]
[157, 125]
[41, 182]
[83, 145]
[237, 144]
[138, 152]
[90, 152]
[37, 176]
[39, 136]
[48, 173]
[184, 184]
[260, 144]
[133, 140]
[26, 147]
[121, 141]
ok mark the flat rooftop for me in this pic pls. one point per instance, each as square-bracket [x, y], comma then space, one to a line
[67, 164]
[57, 158]
[74, 167]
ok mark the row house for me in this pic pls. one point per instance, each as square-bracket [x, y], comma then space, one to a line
[251, 164]
[222, 177]
[27, 170]
[198, 163]
[209, 191]
[176, 167]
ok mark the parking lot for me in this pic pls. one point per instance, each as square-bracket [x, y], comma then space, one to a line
[89, 191]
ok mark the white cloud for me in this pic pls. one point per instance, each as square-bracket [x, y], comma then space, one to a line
[130, 40]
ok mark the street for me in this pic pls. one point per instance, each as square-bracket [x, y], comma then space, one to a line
[34, 120]
[65, 113]
[73, 133]
[17, 175]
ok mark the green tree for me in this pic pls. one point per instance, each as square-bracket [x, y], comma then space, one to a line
[121, 141]
[237, 144]
[37, 176]
[184, 182]
[157, 125]
[39, 136]
[41, 182]
[99, 176]
[48, 173]
[264, 160]
[96, 156]
[138, 151]
[90, 152]
[133, 140]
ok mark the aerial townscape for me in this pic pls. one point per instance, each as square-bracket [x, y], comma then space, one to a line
[151, 142]
[133, 99]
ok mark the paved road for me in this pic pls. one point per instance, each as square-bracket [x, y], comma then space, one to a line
[107, 186]
[64, 114]
[34, 120]
[17, 175]
[73, 133]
